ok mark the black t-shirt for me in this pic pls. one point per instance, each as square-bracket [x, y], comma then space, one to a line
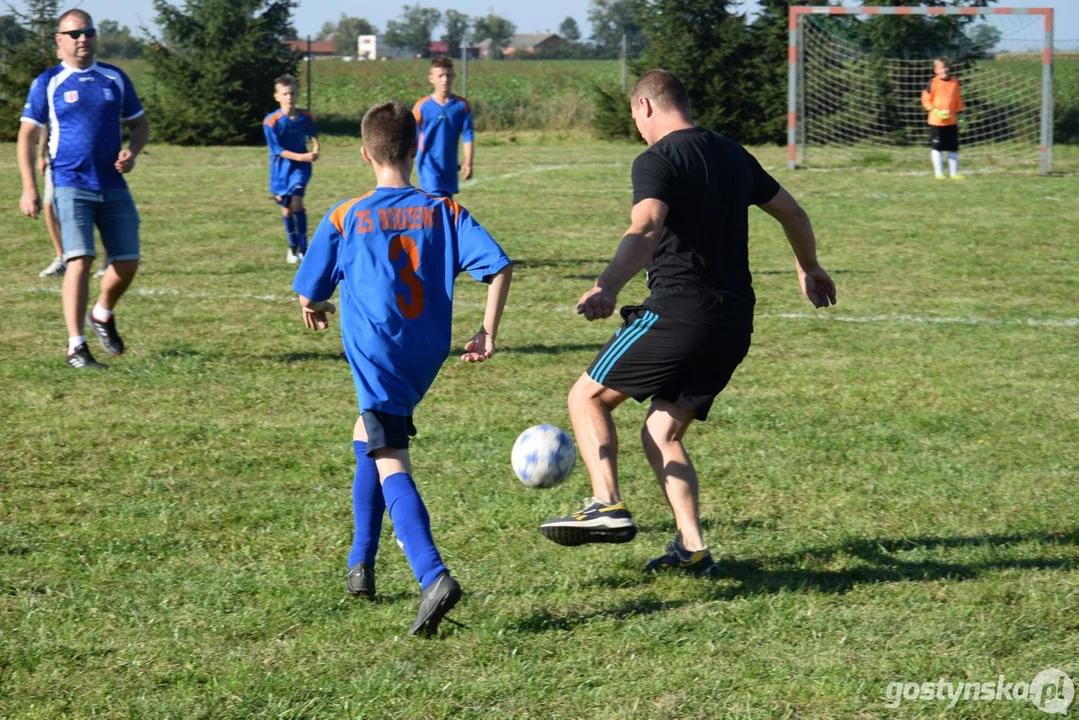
[700, 270]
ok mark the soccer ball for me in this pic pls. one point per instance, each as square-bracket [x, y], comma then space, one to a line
[543, 456]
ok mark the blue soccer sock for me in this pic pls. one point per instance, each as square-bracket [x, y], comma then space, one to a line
[301, 229]
[413, 527]
[290, 230]
[368, 507]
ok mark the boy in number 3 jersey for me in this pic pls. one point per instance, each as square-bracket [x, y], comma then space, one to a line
[395, 253]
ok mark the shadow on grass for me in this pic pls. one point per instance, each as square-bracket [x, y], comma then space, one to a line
[881, 566]
[296, 357]
[543, 621]
[551, 349]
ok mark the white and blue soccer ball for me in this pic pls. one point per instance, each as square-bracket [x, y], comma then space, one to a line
[543, 456]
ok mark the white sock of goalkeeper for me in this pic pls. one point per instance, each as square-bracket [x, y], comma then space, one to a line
[953, 163]
[938, 161]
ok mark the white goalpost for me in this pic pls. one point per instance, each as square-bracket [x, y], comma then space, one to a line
[854, 99]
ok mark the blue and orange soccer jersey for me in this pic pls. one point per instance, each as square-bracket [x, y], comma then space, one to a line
[395, 253]
[83, 110]
[285, 133]
[440, 126]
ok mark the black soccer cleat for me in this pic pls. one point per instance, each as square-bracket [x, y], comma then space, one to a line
[81, 359]
[596, 523]
[677, 558]
[437, 600]
[106, 333]
[361, 581]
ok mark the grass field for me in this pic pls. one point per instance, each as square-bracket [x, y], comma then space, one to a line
[890, 485]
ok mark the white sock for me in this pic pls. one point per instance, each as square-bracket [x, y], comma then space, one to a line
[938, 161]
[74, 342]
[953, 163]
[100, 314]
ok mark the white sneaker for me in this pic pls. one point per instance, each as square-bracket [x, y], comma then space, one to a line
[55, 269]
[101, 273]
[292, 257]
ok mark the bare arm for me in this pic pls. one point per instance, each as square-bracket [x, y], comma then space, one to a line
[30, 201]
[298, 157]
[314, 313]
[140, 135]
[637, 247]
[815, 282]
[482, 345]
[466, 169]
[316, 148]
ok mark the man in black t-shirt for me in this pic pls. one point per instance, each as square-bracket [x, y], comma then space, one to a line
[692, 190]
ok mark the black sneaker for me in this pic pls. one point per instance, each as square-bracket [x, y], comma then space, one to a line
[437, 600]
[361, 581]
[699, 562]
[597, 523]
[81, 359]
[106, 333]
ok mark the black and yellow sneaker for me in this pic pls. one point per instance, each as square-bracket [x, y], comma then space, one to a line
[699, 562]
[596, 523]
[361, 581]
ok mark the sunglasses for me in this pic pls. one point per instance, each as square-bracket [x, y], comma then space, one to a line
[76, 34]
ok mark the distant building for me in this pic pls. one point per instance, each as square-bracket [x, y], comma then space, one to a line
[441, 47]
[318, 49]
[374, 47]
[529, 43]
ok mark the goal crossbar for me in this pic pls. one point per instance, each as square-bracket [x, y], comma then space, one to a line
[795, 63]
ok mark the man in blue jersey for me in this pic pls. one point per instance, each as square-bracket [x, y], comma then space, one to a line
[84, 105]
[443, 118]
[394, 253]
[287, 130]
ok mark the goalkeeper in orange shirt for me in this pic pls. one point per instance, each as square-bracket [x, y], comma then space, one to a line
[943, 101]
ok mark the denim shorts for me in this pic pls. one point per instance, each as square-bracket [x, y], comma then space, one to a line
[112, 211]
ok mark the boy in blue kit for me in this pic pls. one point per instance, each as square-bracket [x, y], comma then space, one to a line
[395, 253]
[287, 130]
[442, 118]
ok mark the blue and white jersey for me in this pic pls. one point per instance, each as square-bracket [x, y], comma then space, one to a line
[83, 111]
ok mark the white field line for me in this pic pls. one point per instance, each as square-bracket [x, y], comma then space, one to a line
[820, 316]
[538, 169]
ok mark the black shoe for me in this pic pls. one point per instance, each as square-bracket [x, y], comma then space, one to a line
[437, 600]
[597, 523]
[106, 333]
[81, 359]
[361, 581]
[699, 562]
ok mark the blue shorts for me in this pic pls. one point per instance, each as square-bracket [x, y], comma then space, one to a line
[296, 191]
[112, 211]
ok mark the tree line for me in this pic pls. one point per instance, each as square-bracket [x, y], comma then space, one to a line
[213, 62]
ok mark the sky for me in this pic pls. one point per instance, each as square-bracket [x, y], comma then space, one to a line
[527, 16]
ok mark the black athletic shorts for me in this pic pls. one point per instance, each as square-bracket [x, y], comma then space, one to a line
[684, 363]
[387, 431]
[945, 139]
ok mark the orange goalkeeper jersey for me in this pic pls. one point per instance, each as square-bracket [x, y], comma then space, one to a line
[942, 95]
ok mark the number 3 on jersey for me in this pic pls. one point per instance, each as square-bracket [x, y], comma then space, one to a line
[411, 306]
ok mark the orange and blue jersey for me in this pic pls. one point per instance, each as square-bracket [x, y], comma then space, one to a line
[440, 126]
[285, 133]
[394, 253]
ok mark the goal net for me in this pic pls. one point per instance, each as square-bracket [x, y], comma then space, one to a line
[857, 76]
